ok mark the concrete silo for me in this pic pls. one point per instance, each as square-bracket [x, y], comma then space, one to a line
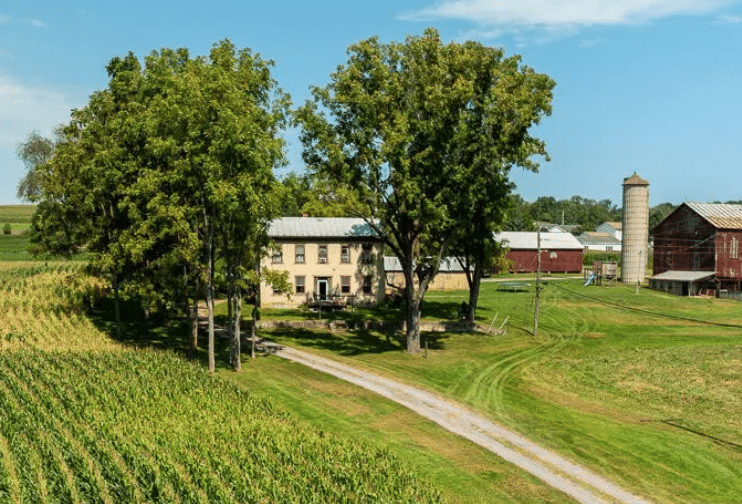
[635, 229]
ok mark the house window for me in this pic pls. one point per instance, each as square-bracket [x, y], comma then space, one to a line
[322, 254]
[278, 255]
[299, 254]
[553, 255]
[734, 252]
[367, 282]
[299, 281]
[609, 247]
[345, 285]
[345, 254]
[366, 257]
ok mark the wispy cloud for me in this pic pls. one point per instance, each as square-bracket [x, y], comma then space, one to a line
[560, 15]
[38, 23]
[730, 19]
[5, 19]
[27, 107]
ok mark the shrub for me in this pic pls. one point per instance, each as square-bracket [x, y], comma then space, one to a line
[6, 228]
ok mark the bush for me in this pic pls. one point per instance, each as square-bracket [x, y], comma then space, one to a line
[6, 228]
[591, 256]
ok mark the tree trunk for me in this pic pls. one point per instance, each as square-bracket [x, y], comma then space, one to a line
[236, 349]
[413, 324]
[117, 304]
[476, 282]
[210, 291]
[194, 321]
[412, 305]
[253, 331]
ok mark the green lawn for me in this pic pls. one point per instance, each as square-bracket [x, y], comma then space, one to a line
[15, 247]
[623, 383]
[20, 214]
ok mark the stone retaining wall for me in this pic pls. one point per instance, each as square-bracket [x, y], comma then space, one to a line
[375, 325]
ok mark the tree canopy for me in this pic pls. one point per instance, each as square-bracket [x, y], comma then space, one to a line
[418, 129]
[167, 171]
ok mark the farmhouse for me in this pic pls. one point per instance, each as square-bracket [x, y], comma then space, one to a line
[612, 228]
[594, 240]
[560, 252]
[451, 276]
[331, 260]
[697, 250]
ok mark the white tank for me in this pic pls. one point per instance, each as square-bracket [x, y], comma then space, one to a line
[635, 229]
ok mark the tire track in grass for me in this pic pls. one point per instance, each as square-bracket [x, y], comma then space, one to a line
[574, 480]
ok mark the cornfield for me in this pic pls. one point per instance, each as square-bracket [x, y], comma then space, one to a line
[83, 420]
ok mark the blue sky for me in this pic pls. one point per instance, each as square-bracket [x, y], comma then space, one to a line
[642, 85]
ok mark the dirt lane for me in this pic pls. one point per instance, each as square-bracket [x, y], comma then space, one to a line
[574, 480]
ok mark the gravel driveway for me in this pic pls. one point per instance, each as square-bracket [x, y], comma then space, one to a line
[572, 479]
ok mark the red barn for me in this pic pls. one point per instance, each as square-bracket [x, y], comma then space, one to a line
[697, 250]
[560, 252]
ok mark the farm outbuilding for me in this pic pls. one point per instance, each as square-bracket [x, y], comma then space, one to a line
[560, 252]
[702, 239]
[451, 276]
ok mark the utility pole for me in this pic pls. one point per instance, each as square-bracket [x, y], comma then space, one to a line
[538, 280]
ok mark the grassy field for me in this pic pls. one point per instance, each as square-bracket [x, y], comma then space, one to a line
[634, 386]
[645, 388]
[86, 418]
[14, 247]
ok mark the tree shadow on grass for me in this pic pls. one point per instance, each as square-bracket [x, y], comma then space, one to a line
[138, 331]
[356, 342]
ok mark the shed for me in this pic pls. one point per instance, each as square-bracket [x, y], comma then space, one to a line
[560, 252]
[451, 276]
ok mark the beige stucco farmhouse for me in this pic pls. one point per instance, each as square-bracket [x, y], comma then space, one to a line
[335, 260]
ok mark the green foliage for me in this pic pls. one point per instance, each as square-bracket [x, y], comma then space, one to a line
[583, 212]
[91, 421]
[7, 229]
[590, 256]
[35, 151]
[407, 125]
[167, 172]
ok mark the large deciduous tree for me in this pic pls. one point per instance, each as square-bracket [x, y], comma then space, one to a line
[168, 170]
[419, 129]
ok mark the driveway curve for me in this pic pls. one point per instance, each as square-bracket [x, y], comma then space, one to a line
[574, 480]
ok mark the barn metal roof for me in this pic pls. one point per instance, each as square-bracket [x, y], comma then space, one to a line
[448, 265]
[684, 276]
[719, 215]
[595, 238]
[528, 240]
[320, 227]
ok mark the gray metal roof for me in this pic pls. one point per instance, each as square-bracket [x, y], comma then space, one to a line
[595, 238]
[528, 240]
[321, 227]
[683, 276]
[723, 216]
[448, 265]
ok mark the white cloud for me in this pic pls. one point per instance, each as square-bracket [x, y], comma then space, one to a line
[5, 19]
[730, 19]
[561, 14]
[29, 107]
[38, 23]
